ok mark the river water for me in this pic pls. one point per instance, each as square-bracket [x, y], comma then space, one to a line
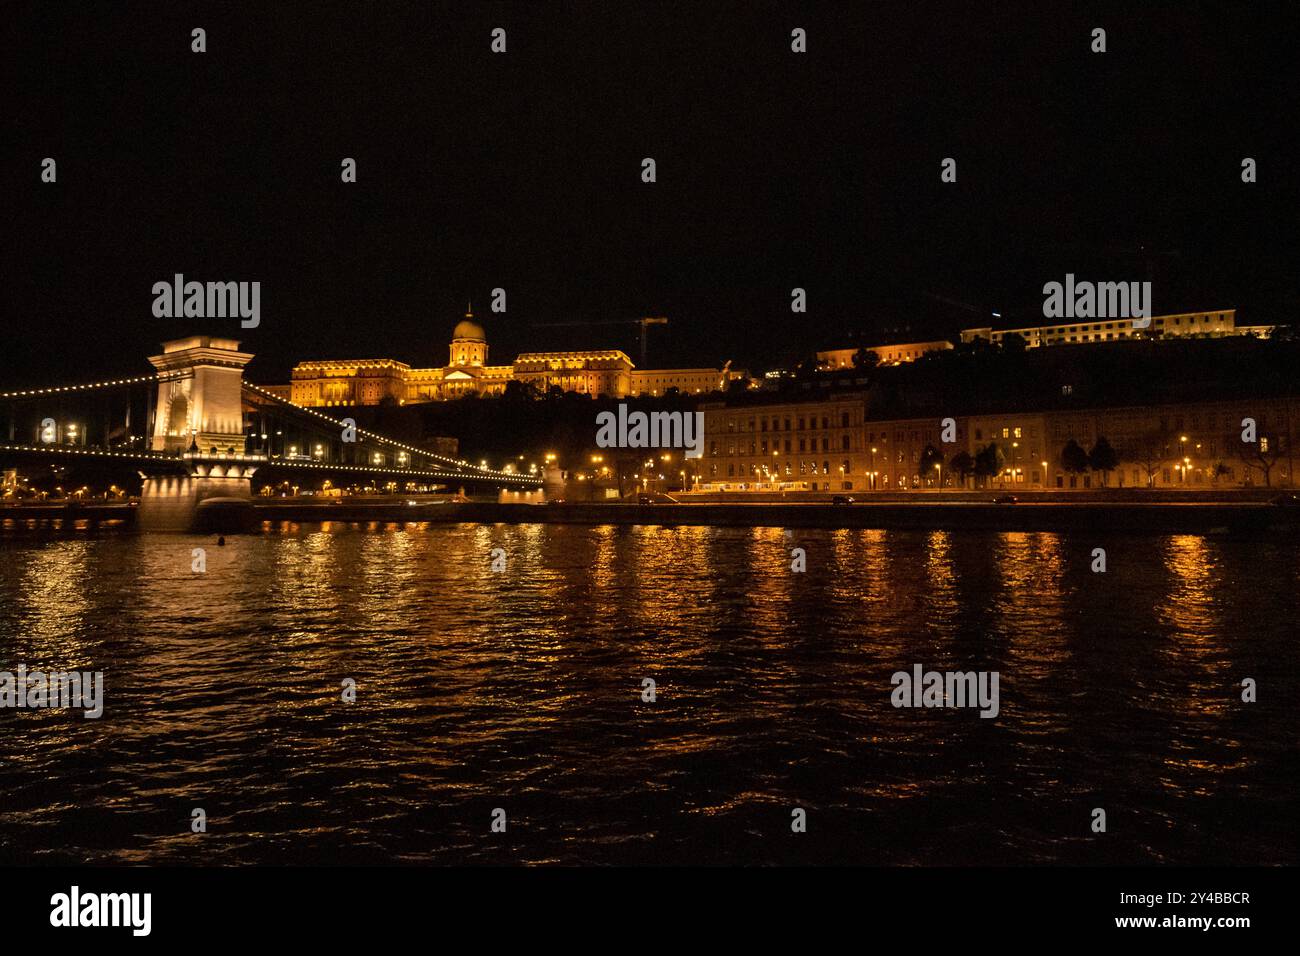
[522, 689]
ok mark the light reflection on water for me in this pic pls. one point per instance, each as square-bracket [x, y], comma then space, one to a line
[522, 689]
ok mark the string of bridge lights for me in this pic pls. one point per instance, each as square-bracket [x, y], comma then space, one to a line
[99, 453]
[224, 456]
[36, 392]
[400, 471]
[379, 438]
[141, 379]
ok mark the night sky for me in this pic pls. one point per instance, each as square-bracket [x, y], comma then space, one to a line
[522, 170]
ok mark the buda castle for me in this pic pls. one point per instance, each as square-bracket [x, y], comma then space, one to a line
[600, 372]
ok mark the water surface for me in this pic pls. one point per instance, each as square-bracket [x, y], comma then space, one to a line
[522, 690]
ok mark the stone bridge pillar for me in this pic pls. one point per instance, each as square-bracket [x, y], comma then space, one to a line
[216, 495]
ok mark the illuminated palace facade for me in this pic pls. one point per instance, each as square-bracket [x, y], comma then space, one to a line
[594, 372]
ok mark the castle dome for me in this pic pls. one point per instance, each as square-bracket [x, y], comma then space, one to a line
[467, 328]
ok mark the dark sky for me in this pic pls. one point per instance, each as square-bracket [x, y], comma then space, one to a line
[523, 171]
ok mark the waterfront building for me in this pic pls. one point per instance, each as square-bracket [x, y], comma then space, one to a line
[1022, 440]
[1213, 324]
[834, 444]
[897, 447]
[811, 445]
[589, 372]
[1194, 445]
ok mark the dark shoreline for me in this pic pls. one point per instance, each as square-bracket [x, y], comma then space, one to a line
[1163, 517]
[1186, 517]
[1180, 518]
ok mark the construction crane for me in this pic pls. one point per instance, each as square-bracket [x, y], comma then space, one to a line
[644, 322]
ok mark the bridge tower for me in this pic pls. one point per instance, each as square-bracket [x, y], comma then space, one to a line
[199, 414]
[200, 398]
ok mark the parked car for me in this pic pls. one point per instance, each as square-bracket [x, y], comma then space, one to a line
[644, 499]
[842, 500]
[1005, 500]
